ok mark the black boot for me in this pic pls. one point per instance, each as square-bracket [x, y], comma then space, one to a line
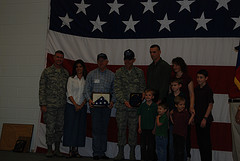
[57, 150]
[132, 153]
[49, 152]
[120, 155]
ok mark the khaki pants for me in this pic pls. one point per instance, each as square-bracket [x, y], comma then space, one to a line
[235, 131]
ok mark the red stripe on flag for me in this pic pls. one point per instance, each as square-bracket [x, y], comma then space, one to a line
[220, 134]
[220, 77]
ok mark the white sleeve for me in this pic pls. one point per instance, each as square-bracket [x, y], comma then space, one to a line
[70, 87]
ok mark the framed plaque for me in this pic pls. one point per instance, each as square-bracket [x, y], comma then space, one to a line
[135, 99]
[101, 99]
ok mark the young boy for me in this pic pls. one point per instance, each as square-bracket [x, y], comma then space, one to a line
[161, 132]
[176, 85]
[203, 118]
[180, 119]
[146, 120]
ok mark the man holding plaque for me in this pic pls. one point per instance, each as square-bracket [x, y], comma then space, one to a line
[158, 75]
[129, 85]
[99, 93]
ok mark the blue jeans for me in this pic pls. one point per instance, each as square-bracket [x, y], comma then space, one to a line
[100, 119]
[161, 148]
[170, 143]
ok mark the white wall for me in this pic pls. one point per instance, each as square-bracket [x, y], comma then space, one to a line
[23, 28]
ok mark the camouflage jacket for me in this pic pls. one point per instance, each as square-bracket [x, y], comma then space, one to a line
[53, 87]
[126, 83]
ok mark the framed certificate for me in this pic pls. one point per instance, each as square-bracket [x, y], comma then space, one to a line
[135, 99]
[101, 99]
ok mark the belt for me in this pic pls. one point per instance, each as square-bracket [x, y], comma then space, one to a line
[234, 100]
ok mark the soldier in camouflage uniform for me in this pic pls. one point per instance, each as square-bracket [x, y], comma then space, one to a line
[52, 100]
[128, 79]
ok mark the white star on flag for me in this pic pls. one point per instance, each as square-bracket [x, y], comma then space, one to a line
[165, 23]
[114, 7]
[149, 6]
[185, 4]
[237, 20]
[222, 3]
[97, 24]
[82, 7]
[66, 21]
[130, 24]
[202, 22]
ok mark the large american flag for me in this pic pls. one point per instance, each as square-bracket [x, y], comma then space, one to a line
[128, 19]
[202, 32]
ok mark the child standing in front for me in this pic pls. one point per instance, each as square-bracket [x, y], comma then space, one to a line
[147, 113]
[180, 119]
[203, 118]
[176, 85]
[161, 132]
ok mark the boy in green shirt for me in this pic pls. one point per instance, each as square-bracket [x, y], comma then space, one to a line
[161, 132]
[146, 125]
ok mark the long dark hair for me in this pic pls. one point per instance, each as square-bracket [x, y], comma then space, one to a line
[179, 61]
[74, 72]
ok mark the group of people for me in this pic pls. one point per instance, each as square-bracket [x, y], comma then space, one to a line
[170, 104]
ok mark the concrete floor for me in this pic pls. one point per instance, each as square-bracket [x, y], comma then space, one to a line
[15, 156]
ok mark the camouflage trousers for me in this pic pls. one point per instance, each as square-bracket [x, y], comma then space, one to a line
[54, 119]
[127, 118]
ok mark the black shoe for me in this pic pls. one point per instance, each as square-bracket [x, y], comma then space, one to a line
[104, 157]
[70, 155]
[57, 153]
[77, 155]
[49, 154]
[96, 158]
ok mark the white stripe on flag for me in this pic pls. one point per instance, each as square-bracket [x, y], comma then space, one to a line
[195, 51]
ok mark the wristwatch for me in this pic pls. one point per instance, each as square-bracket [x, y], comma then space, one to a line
[205, 118]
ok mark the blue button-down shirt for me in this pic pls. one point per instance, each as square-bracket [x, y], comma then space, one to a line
[98, 81]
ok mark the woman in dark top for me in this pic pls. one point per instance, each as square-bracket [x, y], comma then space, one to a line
[180, 71]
